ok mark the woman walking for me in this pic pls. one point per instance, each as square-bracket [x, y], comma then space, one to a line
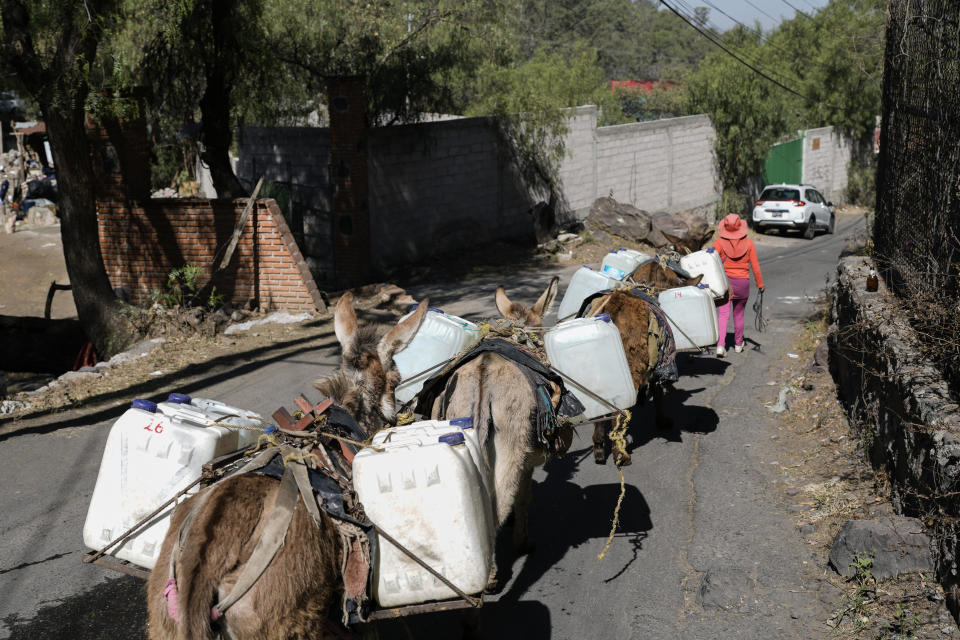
[739, 256]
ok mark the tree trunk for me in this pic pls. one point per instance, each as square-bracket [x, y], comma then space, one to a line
[215, 103]
[97, 306]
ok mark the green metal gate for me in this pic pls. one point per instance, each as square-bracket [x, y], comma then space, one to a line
[784, 163]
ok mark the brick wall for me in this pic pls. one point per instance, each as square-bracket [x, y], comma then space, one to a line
[143, 241]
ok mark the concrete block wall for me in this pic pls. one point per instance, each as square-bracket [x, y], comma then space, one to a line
[664, 165]
[142, 242]
[826, 155]
[300, 157]
[438, 186]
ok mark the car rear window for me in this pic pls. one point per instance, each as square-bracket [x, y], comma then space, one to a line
[780, 194]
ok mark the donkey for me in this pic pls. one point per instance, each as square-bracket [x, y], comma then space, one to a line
[493, 390]
[633, 318]
[298, 594]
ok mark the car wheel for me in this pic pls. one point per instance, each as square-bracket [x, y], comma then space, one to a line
[810, 229]
[833, 224]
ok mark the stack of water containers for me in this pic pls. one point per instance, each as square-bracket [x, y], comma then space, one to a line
[425, 484]
[708, 264]
[590, 352]
[440, 337]
[692, 315]
[615, 266]
[153, 451]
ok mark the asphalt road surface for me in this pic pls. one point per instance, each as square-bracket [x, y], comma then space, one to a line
[698, 508]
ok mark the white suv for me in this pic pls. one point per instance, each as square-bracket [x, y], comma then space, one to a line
[793, 206]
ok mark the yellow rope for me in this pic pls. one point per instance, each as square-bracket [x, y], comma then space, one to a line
[404, 418]
[618, 438]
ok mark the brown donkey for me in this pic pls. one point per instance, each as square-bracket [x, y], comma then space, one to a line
[641, 333]
[494, 391]
[298, 595]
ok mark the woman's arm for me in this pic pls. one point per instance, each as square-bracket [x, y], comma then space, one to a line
[755, 265]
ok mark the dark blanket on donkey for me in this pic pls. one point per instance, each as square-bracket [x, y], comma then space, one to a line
[330, 499]
[666, 368]
[537, 374]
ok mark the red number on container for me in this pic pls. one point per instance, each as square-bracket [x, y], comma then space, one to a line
[156, 428]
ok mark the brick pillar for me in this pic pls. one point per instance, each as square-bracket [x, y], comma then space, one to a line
[349, 180]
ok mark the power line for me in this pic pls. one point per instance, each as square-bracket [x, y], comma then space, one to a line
[803, 13]
[762, 11]
[742, 57]
[747, 64]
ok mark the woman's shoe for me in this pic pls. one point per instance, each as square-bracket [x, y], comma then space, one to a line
[738, 348]
[721, 352]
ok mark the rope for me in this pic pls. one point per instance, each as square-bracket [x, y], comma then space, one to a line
[758, 320]
[617, 437]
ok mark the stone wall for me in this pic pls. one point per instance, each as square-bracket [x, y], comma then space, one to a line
[144, 241]
[903, 410]
[826, 155]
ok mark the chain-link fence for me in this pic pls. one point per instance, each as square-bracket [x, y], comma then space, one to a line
[917, 223]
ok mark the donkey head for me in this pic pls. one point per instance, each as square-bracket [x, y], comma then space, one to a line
[365, 383]
[534, 316]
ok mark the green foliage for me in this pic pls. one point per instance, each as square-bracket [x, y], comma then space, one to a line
[181, 288]
[862, 181]
[732, 202]
[833, 57]
[530, 101]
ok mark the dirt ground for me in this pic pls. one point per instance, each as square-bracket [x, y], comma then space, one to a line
[30, 259]
[824, 480]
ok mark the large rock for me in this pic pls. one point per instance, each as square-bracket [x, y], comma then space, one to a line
[897, 545]
[623, 220]
[685, 230]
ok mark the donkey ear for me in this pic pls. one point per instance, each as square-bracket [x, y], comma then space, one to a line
[345, 321]
[542, 306]
[400, 336]
[509, 310]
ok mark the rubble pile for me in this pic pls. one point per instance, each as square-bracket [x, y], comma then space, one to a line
[28, 191]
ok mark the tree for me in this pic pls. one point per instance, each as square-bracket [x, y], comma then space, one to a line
[50, 48]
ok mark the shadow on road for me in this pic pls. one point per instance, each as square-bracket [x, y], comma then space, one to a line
[114, 609]
[564, 515]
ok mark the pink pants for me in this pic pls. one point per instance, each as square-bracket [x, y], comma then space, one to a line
[739, 292]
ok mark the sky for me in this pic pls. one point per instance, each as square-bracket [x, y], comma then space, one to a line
[769, 12]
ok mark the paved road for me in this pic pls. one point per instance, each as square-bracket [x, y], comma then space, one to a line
[698, 502]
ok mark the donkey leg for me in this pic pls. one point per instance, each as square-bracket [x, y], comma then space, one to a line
[522, 541]
[664, 421]
[600, 441]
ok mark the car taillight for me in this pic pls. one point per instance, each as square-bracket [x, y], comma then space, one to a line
[758, 203]
[798, 203]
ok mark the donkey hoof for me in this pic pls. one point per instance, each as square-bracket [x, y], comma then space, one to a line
[599, 454]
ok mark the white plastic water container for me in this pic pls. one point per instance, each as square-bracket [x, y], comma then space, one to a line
[152, 452]
[584, 283]
[620, 263]
[692, 316]
[590, 351]
[424, 488]
[440, 337]
[708, 264]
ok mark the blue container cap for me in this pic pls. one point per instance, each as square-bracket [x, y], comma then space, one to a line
[144, 405]
[178, 398]
[463, 423]
[710, 249]
[271, 428]
[703, 286]
[413, 307]
[452, 439]
[613, 250]
[605, 317]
